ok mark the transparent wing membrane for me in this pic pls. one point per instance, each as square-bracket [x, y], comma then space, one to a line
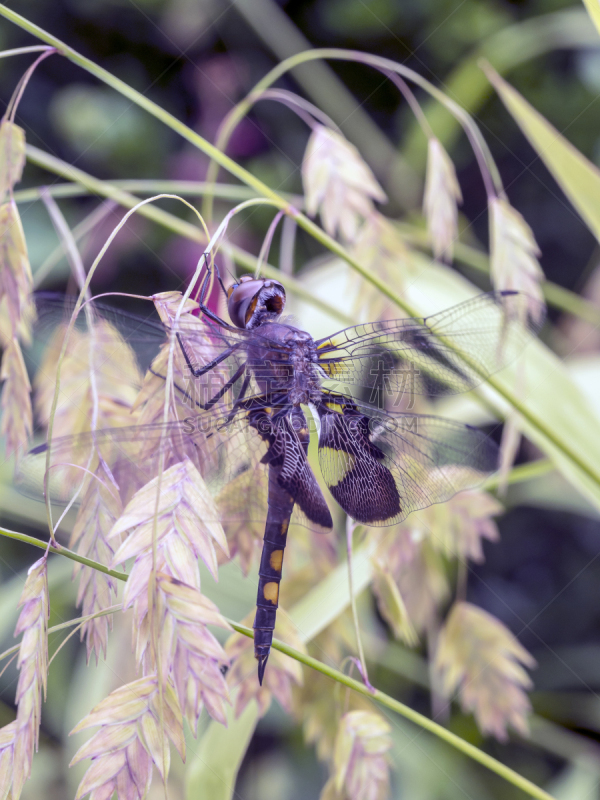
[145, 335]
[446, 353]
[228, 452]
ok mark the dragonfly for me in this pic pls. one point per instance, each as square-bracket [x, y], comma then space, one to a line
[267, 383]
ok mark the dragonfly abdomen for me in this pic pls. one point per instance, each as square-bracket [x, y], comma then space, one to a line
[281, 505]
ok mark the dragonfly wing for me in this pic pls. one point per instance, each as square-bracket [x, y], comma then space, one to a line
[146, 334]
[449, 352]
[380, 467]
[232, 453]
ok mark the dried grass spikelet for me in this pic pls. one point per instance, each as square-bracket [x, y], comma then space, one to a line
[459, 526]
[167, 305]
[360, 766]
[7, 755]
[392, 605]
[130, 740]
[514, 264]
[442, 194]
[112, 391]
[99, 510]
[189, 651]
[19, 739]
[16, 281]
[478, 656]
[12, 156]
[15, 401]
[200, 350]
[150, 402]
[186, 529]
[282, 675]
[16, 307]
[338, 183]
[116, 373]
[406, 557]
[244, 536]
[24, 328]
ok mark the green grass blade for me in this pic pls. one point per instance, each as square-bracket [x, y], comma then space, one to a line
[505, 50]
[593, 10]
[578, 178]
[213, 765]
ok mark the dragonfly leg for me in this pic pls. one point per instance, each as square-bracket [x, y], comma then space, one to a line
[201, 301]
[198, 371]
[218, 274]
[206, 406]
[239, 399]
[225, 388]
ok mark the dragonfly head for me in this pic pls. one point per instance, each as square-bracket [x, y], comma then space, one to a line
[254, 301]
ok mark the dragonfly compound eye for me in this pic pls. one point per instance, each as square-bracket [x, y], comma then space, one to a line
[254, 301]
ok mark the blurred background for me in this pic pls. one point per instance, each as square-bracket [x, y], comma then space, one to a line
[197, 58]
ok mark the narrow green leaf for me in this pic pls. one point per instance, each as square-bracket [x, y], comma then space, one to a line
[578, 178]
[505, 49]
[593, 9]
[213, 769]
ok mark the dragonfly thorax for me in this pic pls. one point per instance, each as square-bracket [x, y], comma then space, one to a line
[291, 370]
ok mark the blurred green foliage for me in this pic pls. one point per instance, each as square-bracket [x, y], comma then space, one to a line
[197, 59]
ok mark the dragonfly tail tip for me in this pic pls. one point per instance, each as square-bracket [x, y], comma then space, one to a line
[262, 665]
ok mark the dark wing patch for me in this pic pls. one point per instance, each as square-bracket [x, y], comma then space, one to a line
[381, 467]
[354, 468]
[413, 355]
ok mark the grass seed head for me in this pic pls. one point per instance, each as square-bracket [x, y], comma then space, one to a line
[99, 510]
[481, 659]
[130, 740]
[514, 262]
[337, 183]
[19, 739]
[442, 194]
[190, 656]
[12, 156]
[360, 767]
[16, 281]
[15, 400]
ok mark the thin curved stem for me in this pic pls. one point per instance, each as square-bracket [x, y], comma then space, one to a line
[384, 65]
[223, 191]
[19, 51]
[63, 551]
[405, 711]
[385, 700]
[175, 224]
[350, 527]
